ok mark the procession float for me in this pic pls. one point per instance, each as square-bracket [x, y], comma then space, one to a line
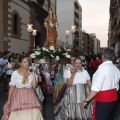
[51, 51]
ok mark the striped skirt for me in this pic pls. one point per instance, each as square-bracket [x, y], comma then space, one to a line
[71, 104]
[24, 106]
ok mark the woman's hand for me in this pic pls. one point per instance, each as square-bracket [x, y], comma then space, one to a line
[13, 65]
[34, 82]
[33, 72]
[70, 80]
[72, 71]
[83, 104]
[8, 104]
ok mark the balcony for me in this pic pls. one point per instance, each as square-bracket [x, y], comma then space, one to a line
[76, 3]
[112, 43]
[76, 19]
[77, 31]
[114, 39]
[76, 41]
[118, 26]
[114, 10]
[76, 12]
[76, 22]
[118, 23]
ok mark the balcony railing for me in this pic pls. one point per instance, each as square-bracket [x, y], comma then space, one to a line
[76, 22]
[76, 3]
[77, 12]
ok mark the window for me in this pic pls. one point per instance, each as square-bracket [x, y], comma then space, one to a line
[15, 24]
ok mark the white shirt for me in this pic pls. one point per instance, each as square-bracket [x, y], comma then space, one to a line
[80, 77]
[106, 77]
[16, 80]
[9, 72]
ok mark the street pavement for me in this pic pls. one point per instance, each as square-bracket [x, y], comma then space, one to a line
[3, 99]
[47, 109]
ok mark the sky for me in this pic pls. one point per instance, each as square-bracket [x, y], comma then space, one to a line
[95, 18]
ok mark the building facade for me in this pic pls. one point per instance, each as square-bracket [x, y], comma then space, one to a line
[114, 26]
[95, 43]
[90, 44]
[87, 43]
[69, 12]
[14, 17]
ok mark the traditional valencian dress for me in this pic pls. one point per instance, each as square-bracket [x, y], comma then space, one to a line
[24, 102]
[58, 82]
[70, 105]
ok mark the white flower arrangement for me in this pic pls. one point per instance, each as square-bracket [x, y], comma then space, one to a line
[37, 52]
[68, 56]
[57, 58]
[51, 48]
[44, 48]
[69, 50]
[51, 53]
[33, 55]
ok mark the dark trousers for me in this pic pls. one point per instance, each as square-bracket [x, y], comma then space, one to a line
[3, 74]
[106, 110]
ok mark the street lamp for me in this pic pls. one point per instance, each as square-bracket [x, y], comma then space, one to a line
[73, 29]
[30, 29]
[34, 32]
[67, 35]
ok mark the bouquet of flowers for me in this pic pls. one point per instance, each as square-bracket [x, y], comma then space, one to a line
[51, 53]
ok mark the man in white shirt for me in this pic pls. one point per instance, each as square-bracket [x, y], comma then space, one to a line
[105, 84]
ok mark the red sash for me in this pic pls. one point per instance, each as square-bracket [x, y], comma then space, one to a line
[104, 96]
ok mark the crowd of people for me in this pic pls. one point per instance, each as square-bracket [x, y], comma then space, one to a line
[74, 86]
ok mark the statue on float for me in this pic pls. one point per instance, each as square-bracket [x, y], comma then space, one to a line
[51, 23]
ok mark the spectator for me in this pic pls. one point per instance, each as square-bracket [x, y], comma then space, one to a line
[3, 62]
[9, 68]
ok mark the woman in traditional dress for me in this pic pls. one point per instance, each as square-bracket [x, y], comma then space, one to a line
[22, 103]
[77, 81]
[58, 82]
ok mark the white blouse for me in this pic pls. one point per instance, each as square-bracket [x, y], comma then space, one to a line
[16, 80]
[9, 72]
[80, 77]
